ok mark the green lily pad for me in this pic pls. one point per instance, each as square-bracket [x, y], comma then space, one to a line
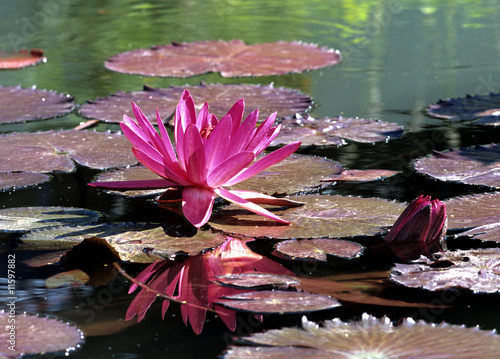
[320, 216]
[230, 58]
[278, 301]
[317, 249]
[136, 242]
[370, 338]
[473, 210]
[23, 219]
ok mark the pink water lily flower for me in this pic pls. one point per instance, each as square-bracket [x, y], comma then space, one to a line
[209, 155]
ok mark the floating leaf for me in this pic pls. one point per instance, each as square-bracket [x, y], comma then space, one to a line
[56, 150]
[20, 219]
[475, 269]
[268, 99]
[256, 280]
[35, 335]
[320, 216]
[318, 248]
[21, 105]
[473, 211]
[16, 180]
[136, 242]
[331, 131]
[370, 338]
[278, 301]
[230, 58]
[360, 176]
[75, 278]
[488, 232]
[21, 58]
[296, 173]
[485, 109]
[473, 165]
[370, 288]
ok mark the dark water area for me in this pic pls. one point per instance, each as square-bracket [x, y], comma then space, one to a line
[399, 57]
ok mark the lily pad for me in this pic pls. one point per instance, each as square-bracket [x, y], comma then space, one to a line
[22, 219]
[294, 174]
[318, 248]
[21, 58]
[360, 176]
[256, 280]
[268, 99]
[22, 105]
[473, 211]
[488, 232]
[278, 301]
[331, 131]
[34, 334]
[136, 242]
[477, 165]
[56, 150]
[16, 180]
[475, 269]
[74, 278]
[230, 58]
[320, 216]
[370, 338]
[484, 109]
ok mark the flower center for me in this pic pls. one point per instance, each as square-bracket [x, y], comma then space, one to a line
[206, 131]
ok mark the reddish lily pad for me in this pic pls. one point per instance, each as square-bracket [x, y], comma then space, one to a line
[21, 58]
[136, 242]
[230, 58]
[318, 248]
[320, 216]
[370, 338]
[278, 301]
[34, 334]
[21, 105]
[294, 174]
[73, 278]
[268, 99]
[21, 219]
[473, 165]
[16, 180]
[256, 280]
[332, 131]
[488, 232]
[360, 176]
[484, 109]
[475, 269]
[56, 150]
[473, 211]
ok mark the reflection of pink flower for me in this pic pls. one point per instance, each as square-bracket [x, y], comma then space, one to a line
[192, 281]
[211, 154]
[420, 229]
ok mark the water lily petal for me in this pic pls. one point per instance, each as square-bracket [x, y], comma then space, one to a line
[231, 197]
[161, 169]
[265, 162]
[260, 198]
[185, 114]
[197, 204]
[133, 185]
[229, 168]
[202, 120]
[243, 135]
[261, 133]
[169, 149]
[236, 113]
[194, 153]
[271, 135]
[215, 147]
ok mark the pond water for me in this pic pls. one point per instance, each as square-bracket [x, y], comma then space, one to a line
[399, 57]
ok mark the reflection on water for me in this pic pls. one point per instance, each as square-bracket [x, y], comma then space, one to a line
[399, 56]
